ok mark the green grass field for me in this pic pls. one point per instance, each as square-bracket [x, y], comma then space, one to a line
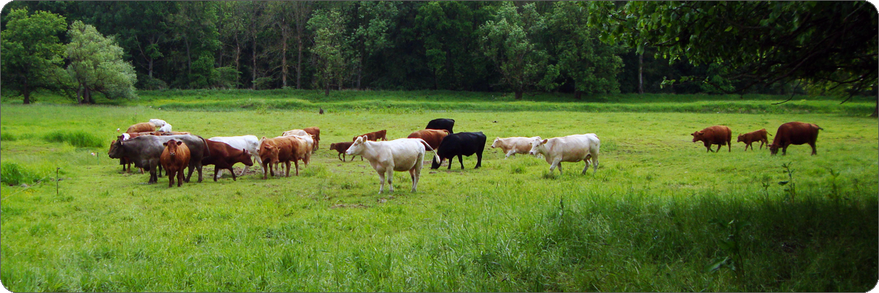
[660, 214]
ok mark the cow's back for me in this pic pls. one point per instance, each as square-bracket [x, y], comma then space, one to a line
[572, 148]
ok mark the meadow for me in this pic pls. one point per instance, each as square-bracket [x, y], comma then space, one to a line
[660, 214]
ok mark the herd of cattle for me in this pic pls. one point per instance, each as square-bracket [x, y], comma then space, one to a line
[152, 146]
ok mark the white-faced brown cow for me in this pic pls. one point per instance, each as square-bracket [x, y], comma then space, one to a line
[571, 148]
[718, 134]
[513, 145]
[404, 154]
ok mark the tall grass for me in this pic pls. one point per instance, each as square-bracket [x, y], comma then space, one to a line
[643, 222]
[77, 138]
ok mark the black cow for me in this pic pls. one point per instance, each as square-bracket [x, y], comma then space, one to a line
[460, 144]
[145, 151]
[441, 123]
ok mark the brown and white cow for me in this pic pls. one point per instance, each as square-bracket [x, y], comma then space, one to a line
[276, 150]
[223, 156]
[174, 158]
[513, 145]
[141, 127]
[718, 134]
[374, 136]
[751, 137]
[571, 148]
[294, 132]
[795, 133]
[315, 134]
[341, 147]
[404, 154]
[433, 137]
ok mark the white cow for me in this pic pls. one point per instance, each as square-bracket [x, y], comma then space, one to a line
[513, 145]
[294, 132]
[571, 148]
[404, 154]
[165, 128]
[245, 142]
[158, 122]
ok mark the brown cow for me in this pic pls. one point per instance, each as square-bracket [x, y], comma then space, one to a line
[341, 147]
[174, 158]
[718, 134]
[750, 137]
[433, 137]
[141, 127]
[374, 136]
[794, 133]
[277, 150]
[223, 156]
[315, 134]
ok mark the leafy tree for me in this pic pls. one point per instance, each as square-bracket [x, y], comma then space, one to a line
[756, 42]
[32, 52]
[370, 33]
[507, 40]
[330, 47]
[96, 65]
[194, 30]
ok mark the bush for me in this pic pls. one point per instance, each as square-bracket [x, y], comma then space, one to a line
[13, 174]
[7, 136]
[77, 138]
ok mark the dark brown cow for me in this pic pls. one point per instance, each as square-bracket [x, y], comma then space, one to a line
[750, 137]
[795, 133]
[374, 136]
[433, 137]
[141, 127]
[718, 134]
[341, 147]
[277, 150]
[315, 134]
[223, 156]
[174, 158]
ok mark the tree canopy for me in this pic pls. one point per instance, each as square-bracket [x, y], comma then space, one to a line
[32, 51]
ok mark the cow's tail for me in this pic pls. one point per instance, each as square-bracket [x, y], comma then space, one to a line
[428, 148]
[819, 127]
[206, 150]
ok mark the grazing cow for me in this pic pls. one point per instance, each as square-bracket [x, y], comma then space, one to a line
[294, 132]
[341, 147]
[223, 156]
[374, 136]
[513, 145]
[404, 154]
[141, 127]
[281, 149]
[460, 144]
[571, 148]
[718, 134]
[174, 158]
[145, 151]
[433, 137]
[124, 161]
[750, 137]
[158, 122]
[315, 133]
[441, 123]
[250, 143]
[794, 133]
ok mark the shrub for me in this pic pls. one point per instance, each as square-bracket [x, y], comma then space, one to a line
[13, 174]
[77, 138]
[7, 136]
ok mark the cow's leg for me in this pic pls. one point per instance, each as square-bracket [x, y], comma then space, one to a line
[179, 177]
[389, 174]
[814, 151]
[728, 146]
[233, 173]
[478, 160]
[460, 160]
[198, 168]
[381, 179]
[170, 179]
[217, 170]
[510, 153]
[414, 178]
[557, 163]
[296, 163]
[784, 150]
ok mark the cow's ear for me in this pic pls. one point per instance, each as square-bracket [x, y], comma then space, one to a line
[165, 143]
[544, 141]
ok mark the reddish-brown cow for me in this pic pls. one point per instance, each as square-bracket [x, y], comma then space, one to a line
[750, 137]
[141, 127]
[794, 133]
[315, 134]
[223, 156]
[374, 136]
[174, 158]
[341, 147]
[433, 137]
[718, 134]
[276, 150]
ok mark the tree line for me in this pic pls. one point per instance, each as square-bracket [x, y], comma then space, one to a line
[572, 47]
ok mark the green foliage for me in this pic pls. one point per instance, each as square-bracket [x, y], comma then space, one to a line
[77, 138]
[32, 52]
[15, 174]
[96, 64]
[330, 47]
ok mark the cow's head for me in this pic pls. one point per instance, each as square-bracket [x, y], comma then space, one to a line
[268, 151]
[171, 146]
[697, 136]
[536, 144]
[494, 143]
[357, 147]
[773, 149]
[741, 138]
[245, 158]
[115, 149]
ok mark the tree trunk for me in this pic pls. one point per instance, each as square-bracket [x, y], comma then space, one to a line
[299, 62]
[577, 94]
[519, 94]
[876, 110]
[79, 94]
[284, 61]
[327, 91]
[641, 73]
[26, 92]
[253, 55]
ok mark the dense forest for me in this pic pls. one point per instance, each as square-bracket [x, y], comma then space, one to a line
[571, 47]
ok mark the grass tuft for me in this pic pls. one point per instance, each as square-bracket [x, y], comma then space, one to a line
[77, 138]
